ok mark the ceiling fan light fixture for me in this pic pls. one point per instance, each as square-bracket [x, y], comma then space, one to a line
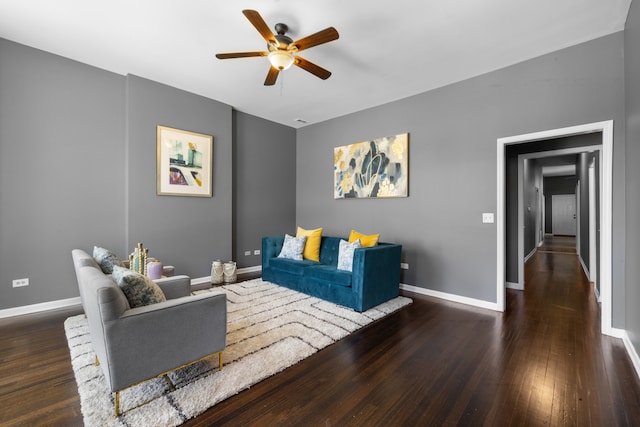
[280, 59]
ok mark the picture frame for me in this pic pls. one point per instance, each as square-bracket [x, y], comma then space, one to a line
[184, 163]
[373, 169]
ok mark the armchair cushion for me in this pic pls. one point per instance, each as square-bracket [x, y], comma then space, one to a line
[138, 289]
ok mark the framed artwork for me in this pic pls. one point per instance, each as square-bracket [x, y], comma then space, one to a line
[372, 169]
[185, 163]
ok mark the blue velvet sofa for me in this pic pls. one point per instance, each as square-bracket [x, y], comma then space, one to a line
[375, 277]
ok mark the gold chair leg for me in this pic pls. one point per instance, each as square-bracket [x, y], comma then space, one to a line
[97, 361]
[117, 405]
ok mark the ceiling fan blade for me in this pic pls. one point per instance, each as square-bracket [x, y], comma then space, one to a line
[314, 69]
[240, 55]
[262, 27]
[324, 36]
[272, 76]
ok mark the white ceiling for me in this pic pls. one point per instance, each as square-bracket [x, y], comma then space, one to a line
[386, 50]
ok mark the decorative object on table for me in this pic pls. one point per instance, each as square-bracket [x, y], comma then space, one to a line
[154, 269]
[185, 163]
[138, 259]
[269, 329]
[217, 272]
[372, 169]
[230, 272]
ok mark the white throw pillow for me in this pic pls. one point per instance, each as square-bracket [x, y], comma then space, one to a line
[345, 254]
[292, 247]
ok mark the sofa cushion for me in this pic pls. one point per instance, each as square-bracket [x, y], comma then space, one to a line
[106, 259]
[330, 274]
[138, 289]
[365, 241]
[312, 245]
[291, 266]
[345, 254]
[292, 247]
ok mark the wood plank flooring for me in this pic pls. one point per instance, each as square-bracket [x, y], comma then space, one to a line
[543, 362]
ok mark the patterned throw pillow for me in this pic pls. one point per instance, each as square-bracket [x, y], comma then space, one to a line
[345, 254]
[106, 259]
[138, 289]
[292, 247]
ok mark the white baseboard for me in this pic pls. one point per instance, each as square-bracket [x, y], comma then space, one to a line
[532, 253]
[584, 268]
[631, 351]
[513, 285]
[451, 297]
[36, 308]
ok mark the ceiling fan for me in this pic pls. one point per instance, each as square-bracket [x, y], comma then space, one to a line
[282, 50]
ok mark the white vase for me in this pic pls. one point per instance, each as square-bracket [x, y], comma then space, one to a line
[217, 272]
[230, 272]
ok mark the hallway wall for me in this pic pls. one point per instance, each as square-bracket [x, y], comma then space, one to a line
[632, 76]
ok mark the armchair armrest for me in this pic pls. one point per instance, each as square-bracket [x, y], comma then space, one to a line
[148, 341]
[175, 286]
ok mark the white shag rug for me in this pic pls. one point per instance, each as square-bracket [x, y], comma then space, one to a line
[269, 329]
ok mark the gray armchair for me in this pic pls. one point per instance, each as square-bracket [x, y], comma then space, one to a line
[136, 344]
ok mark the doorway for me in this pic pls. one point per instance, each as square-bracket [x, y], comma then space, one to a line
[606, 129]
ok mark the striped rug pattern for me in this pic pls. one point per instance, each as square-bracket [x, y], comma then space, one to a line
[269, 329]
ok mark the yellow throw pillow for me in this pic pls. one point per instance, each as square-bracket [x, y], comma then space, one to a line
[365, 240]
[312, 246]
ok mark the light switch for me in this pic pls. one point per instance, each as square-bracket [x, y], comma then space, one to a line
[487, 218]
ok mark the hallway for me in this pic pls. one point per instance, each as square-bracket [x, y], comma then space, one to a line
[572, 370]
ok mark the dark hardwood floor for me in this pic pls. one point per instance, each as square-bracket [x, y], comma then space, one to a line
[543, 362]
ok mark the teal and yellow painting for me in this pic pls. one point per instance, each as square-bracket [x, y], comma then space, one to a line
[372, 169]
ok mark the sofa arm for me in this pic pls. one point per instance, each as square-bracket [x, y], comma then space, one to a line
[148, 341]
[271, 247]
[376, 274]
[175, 286]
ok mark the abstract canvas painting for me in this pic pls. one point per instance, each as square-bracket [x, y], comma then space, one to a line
[184, 163]
[372, 169]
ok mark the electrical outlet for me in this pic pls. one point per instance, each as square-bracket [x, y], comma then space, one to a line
[487, 218]
[247, 253]
[18, 283]
[256, 252]
[404, 265]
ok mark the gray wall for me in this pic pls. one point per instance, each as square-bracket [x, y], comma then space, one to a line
[453, 132]
[187, 232]
[264, 184]
[62, 170]
[632, 68]
[78, 168]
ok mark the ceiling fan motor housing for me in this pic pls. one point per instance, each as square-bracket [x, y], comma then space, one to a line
[283, 40]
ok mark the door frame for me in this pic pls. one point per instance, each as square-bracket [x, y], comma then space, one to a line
[606, 204]
[520, 285]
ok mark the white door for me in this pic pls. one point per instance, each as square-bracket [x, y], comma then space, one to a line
[563, 210]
